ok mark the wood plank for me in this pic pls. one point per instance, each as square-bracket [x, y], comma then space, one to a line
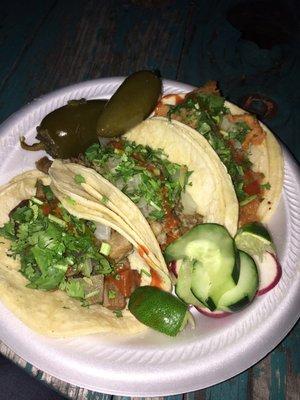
[278, 374]
[232, 389]
[87, 395]
[19, 23]
[261, 379]
[292, 344]
[87, 40]
[197, 395]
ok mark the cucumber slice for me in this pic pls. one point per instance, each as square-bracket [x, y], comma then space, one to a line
[215, 269]
[183, 285]
[243, 293]
[211, 245]
[209, 286]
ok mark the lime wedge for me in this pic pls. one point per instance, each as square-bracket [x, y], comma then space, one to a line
[158, 309]
[254, 239]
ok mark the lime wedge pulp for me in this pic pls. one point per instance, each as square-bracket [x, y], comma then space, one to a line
[254, 239]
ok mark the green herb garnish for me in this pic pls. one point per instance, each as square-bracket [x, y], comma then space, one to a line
[111, 294]
[49, 246]
[71, 201]
[266, 186]
[104, 199]
[205, 113]
[145, 175]
[143, 271]
[118, 313]
[79, 179]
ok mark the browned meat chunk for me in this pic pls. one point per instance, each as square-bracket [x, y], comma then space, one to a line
[156, 227]
[188, 221]
[159, 232]
[209, 87]
[40, 194]
[43, 164]
[113, 298]
[120, 247]
[94, 289]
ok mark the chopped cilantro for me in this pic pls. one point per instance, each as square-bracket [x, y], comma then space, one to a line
[266, 186]
[8, 230]
[104, 199]
[36, 201]
[57, 220]
[143, 271]
[118, 313]
[48, 193]
[205, 113]
[71, 201]
[75, 288]
[248, 200]
[79, 179]
[111, 294]
[49, 245]
[134, 169]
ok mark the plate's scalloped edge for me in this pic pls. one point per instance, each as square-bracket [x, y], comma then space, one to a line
[35, 111]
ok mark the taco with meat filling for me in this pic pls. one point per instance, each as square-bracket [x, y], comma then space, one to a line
[158, 175]
[68, 263]
[247, 148]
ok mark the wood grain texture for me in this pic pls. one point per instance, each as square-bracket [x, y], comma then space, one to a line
[50, 44]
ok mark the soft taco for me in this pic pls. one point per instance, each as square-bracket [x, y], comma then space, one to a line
[58, 273]
[247, 148]
[162, 177]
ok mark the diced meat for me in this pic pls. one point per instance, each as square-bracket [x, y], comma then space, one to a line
[96, 286]
[40, 194]
[113, 298]
[188, 221]
[93, 288]
[123, 264]
[120, 247]
[256, 135]
[43, 164]
[248, 212]
[162, 109]
[71, 272]
[208, 87]
[156, 227]
[80, 160]
[159, 232]
[128, 280]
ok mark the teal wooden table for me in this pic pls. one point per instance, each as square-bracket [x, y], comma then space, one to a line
[251, 48]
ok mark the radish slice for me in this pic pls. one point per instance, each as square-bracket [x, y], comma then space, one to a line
[269, 271]
[213, 314]
[174, 266]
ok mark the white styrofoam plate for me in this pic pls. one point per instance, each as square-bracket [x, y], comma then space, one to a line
[152, 364]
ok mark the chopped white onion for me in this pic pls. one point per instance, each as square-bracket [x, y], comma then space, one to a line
[103, 141]
[227, 125]
[112, 163]
[145, 208]
[102, 232]
[188, 204]
[134, 183]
